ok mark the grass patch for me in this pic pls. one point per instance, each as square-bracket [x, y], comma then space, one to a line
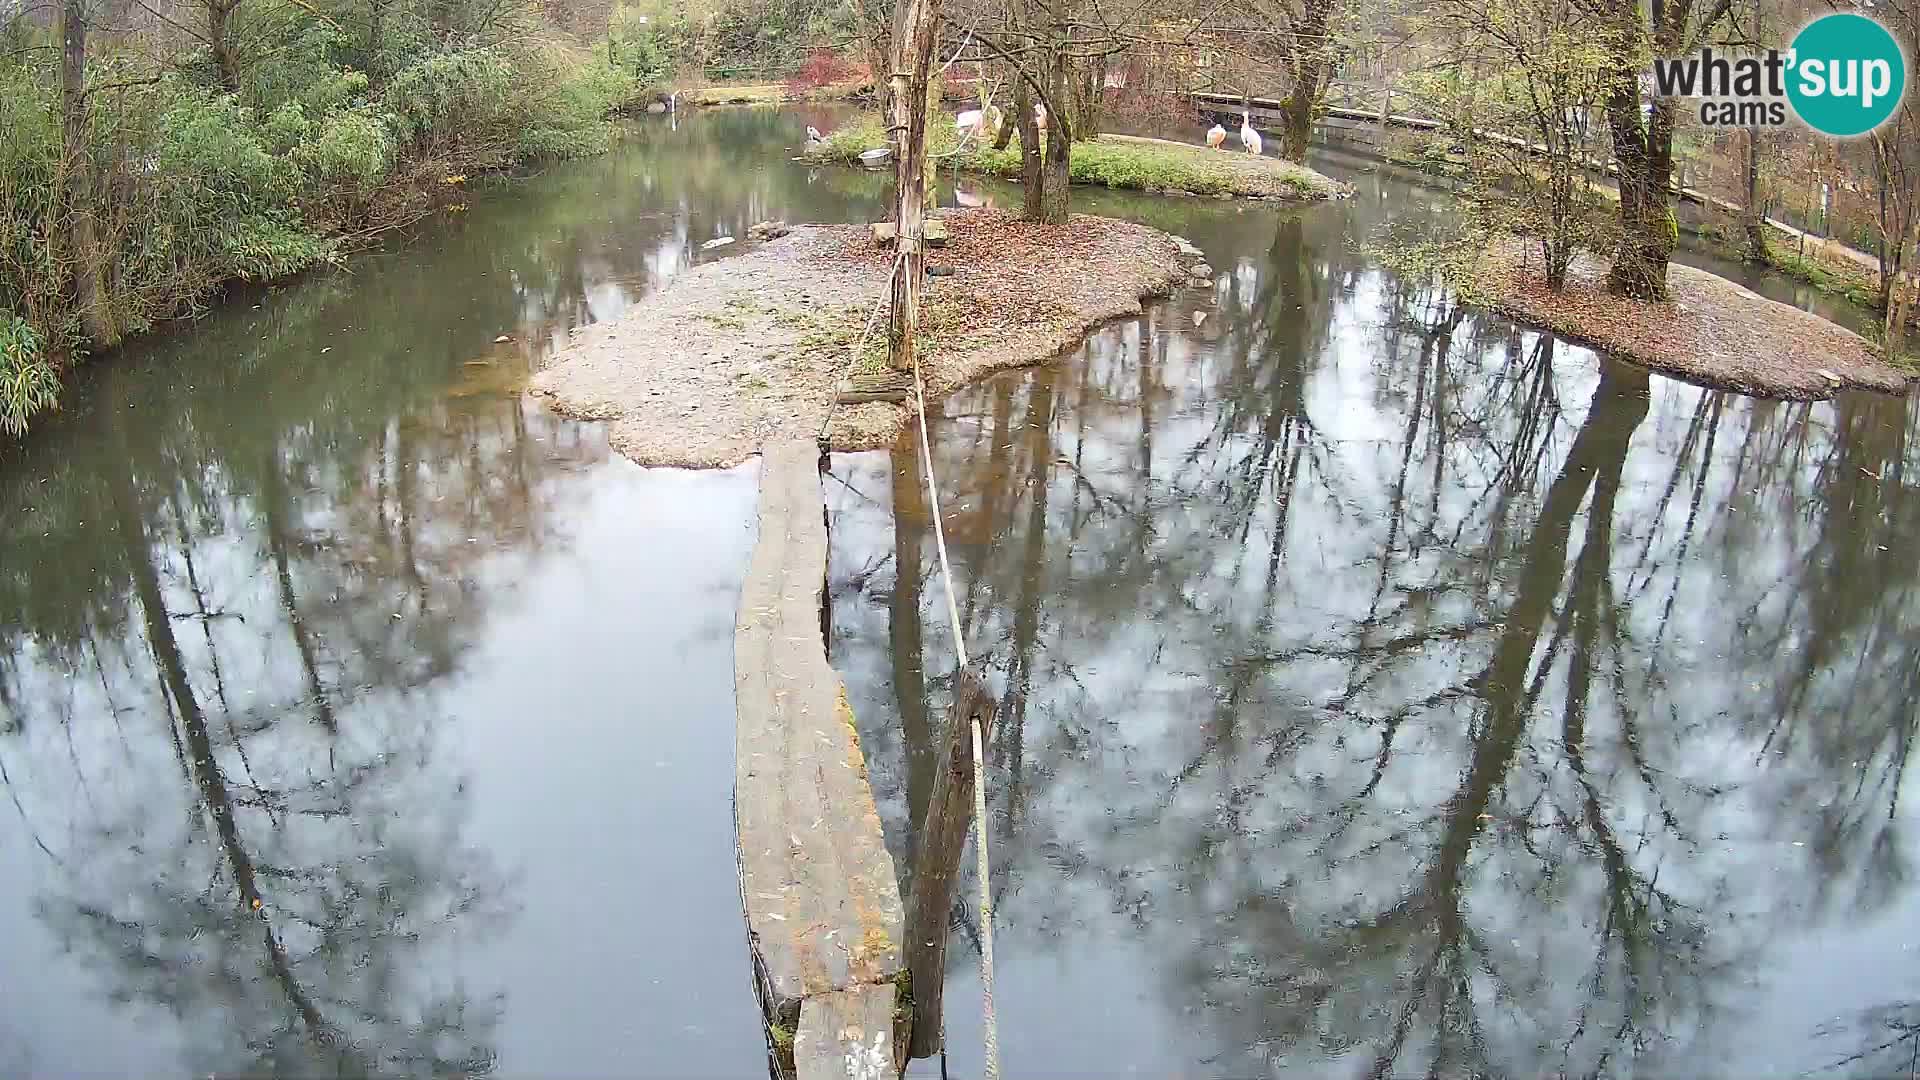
[1112, 161]
[1857, 286]
[766, 94]
[772, 94]
[947, 322]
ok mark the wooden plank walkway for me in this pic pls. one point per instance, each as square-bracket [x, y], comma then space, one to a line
[822, 902]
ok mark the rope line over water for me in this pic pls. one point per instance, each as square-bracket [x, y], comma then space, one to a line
[991, 1024]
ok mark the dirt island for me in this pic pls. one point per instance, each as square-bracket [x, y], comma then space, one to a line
[1708, 331]
[759, 342]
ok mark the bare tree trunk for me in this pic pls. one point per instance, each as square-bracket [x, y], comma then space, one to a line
[930, 175]
[1054, 188]
[1032, 171]
[1310, 69]
[377, 32]
[81, 247]
[1900, 292]
[1058, 152]
[219, 15]
[875, 19]
[1753, 220]
[913, 36]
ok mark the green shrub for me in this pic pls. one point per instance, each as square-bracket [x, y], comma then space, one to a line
[352, 148]
[194, 186]
[28, 383]
[287, 128]
[210, 143]
[571, 122]
[304, 71]
[465, 106]
[29, 155]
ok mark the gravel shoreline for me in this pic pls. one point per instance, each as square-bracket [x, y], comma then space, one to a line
[755, 346]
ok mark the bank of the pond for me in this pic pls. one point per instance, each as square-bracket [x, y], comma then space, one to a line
[1116, 161]
[287, 169]
[756, 346]
[1709, 331]
[768, 93]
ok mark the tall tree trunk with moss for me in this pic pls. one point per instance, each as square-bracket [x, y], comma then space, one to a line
[1644, 151]
[79, 246]
[1643, 135]
[1311, 63]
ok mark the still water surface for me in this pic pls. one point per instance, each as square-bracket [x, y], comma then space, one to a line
[1403, 693]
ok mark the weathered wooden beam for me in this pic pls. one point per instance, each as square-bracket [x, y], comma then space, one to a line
[846, 1035]
[822, 903]
[936, 869]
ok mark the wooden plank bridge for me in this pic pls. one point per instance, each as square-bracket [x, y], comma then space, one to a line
[818, 887]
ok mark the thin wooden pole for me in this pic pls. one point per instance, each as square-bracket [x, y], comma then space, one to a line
[936, 870]
[913, 39]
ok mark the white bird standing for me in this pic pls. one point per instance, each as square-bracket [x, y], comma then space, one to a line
[1216, 137]
[814, 133]
[1249, 138]
[1040, 116]
[971, 120]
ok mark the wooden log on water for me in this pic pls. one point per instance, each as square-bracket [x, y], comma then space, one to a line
[936, 869]
[822, 903]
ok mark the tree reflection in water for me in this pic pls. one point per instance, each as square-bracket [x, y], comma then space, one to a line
[230, 749]
[1409, 693]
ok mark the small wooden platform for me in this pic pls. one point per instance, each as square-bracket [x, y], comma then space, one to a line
[822, 903]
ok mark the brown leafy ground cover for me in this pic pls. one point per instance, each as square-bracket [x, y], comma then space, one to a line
[755, 346]
[1710, 331]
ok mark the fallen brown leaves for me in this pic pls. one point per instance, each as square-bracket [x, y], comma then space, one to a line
[1709, 331]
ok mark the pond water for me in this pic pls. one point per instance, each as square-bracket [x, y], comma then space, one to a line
[1402, 692]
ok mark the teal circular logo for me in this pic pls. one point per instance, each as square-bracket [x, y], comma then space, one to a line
[1847, 75]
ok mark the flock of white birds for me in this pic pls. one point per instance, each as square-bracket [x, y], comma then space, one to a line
[980, 122]
[1249, 138]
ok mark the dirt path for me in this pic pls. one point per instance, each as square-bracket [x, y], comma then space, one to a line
[754, 346]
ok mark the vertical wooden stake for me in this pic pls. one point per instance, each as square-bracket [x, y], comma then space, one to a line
[913, 38]
[936, 868]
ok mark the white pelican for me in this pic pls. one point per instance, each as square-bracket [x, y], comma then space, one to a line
[813, 133]
[973, 120]
[1216, 137]
[1040, 116]
[1249, 138]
